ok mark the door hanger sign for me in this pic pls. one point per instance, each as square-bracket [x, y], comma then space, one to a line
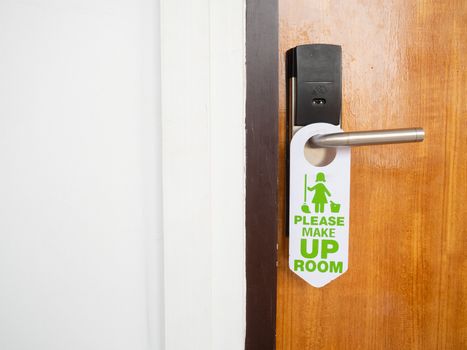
[318, 210]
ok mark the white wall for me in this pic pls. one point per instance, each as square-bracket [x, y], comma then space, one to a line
[80, 238]
[203, 113]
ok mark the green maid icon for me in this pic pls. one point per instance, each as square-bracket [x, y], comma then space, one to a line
[320, 196]
[321, 193]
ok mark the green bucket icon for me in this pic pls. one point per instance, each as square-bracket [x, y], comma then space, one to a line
[335, 207]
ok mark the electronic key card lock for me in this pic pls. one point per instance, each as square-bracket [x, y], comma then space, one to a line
[319, 162]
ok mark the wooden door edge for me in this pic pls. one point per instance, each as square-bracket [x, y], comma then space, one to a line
[261, 172]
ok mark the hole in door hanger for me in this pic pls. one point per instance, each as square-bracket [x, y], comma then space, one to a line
[318, 156]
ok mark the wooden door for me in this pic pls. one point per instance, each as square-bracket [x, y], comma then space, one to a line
[404, 65]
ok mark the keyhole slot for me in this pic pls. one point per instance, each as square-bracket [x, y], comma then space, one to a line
[318, 101]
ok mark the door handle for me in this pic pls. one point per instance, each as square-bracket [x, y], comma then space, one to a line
[314, 92]
[364, 138]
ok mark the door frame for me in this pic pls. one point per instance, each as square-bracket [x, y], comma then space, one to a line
[203, 173]
[262, 162]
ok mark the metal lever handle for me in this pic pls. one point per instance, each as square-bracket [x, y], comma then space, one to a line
[363, 138]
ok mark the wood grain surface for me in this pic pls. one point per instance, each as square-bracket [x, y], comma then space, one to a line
[404, 65]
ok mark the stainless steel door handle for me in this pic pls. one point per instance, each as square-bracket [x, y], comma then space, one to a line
[363, 138]
[314, 93]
